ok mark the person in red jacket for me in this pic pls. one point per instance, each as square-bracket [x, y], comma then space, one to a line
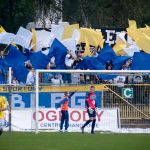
[91, 109]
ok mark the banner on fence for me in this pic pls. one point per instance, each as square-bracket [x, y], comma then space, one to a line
[49, 119]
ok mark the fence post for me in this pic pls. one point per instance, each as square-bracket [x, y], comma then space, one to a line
[10, 96]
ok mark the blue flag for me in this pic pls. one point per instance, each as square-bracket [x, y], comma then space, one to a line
[91, 63]
[38, 59]
[107, 76]
[119, 61]
[20, 72]
[3, 63]
[106, 54]
[14, 57]
[3, 71]
[141, 61]
[59, 51]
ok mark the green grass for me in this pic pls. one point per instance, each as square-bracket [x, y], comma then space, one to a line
[73, 141]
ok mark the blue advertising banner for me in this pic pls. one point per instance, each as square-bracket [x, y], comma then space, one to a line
[48, 99]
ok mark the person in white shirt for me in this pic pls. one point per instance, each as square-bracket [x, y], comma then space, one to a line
[57, 80]
[69, 59]
[119, 80]
[30, 77]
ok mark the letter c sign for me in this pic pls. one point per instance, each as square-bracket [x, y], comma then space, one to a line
[127, 92]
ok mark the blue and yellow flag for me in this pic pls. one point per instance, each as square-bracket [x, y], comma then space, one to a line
[2, 29]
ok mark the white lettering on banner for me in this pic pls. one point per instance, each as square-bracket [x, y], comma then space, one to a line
[49, 119]
[78, 100]
[17, 101]
[110, 34]
[55, 98]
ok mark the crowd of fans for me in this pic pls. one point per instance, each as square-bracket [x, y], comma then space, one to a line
[71, 61]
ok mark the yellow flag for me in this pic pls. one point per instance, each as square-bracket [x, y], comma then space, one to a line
[118, 47]
[132, 24]
[141, 36]
[2, 29]
[33, 41]
[101, 44]
[147, 26]
[90, 37]
[87, 49]
[145, 31]
[144, 43]
[68, 30]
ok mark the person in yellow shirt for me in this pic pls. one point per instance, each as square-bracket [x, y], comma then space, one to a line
[3, 106]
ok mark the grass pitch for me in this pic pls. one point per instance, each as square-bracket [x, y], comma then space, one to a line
[73, 141]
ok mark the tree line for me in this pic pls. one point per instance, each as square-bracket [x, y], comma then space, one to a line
[88, 13]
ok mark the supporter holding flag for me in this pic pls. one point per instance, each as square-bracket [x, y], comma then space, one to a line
[59, 51]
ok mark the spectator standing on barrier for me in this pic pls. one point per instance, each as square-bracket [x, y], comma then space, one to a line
[64, 110]
[91, 109]
[3, 107]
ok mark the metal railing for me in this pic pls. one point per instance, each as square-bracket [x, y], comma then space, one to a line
[134, 110]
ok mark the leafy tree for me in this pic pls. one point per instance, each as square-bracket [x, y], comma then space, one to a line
[48, 10]
[15, 13]
[106, 13]
[89, 13]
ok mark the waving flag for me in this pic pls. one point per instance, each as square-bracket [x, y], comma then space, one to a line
[141, 61]
[20, 72]
[6, 38]
[91, 63]
[141, 36]
[70, 44]
[132, 24]
[2, 29]
[106, 54]
[23, 37]
[58, 31]
[68, 31]
[90, 37]
[120, 44]
[43, 39]
[119, 61]
[38, 59]
[33, 41]
[3, 68]
[59, 51]
[14, 57]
